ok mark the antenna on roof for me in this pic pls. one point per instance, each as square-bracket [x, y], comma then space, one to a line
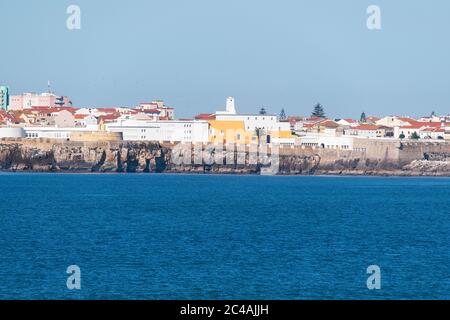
[49, 87]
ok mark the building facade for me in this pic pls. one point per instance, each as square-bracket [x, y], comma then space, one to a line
[169, 130]
[4, 98]
[32, 100]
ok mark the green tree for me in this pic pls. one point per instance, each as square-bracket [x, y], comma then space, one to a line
[283, 115]
[363, 118]
[318, 111]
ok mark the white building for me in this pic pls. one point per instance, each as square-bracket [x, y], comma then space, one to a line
[53, 132]
[170, 130]
[266, 122]
[12, 132]
[432, 133]
[348, 122]
[325, 141]
[230, 108]
[368, 131]
[63, 118]
[252, 121]
[88, 120]
[394, 121]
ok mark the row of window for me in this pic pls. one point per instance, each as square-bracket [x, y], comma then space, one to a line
[32, 135]
[264, 118]
[343, 147]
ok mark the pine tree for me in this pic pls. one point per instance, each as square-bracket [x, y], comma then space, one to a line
[363, 118]
[318, 111]
[283, 115]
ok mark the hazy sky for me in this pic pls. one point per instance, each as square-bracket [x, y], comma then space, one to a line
[194, 54]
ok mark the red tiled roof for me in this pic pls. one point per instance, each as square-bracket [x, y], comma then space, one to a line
[5, 116]
[295, 118]
[367, 127]
[151, 111]
[205, 116]
[329, 124]
[315, 119]
[107, 110]
[416, 125]
[431, 124]
[109, 117]
[434, 130]
[46, 109]
[409, 120]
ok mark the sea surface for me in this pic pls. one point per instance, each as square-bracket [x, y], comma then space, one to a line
[148, 236]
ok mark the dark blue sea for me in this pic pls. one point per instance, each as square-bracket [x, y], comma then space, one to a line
[149, 236]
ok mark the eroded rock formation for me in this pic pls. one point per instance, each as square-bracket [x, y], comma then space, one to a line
[57, 156]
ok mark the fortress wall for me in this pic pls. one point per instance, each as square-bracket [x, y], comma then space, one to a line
[411, 151]
[368, 157]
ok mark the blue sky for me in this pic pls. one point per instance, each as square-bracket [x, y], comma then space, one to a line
[193, 54]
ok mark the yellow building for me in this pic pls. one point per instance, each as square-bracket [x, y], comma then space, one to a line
[229, 127]
[227, 131]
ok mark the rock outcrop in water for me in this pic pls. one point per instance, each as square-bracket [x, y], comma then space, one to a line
[373, 159]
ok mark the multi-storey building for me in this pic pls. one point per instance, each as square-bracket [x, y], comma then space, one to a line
[163, 130]
[31, 100]
[4, 98]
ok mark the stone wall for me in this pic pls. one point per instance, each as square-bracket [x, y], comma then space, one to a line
[369, 158]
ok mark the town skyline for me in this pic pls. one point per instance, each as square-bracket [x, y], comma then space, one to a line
[192, 55]
[252, 110]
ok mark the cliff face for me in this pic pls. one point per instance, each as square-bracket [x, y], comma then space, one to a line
[57, 156]
[82, 157]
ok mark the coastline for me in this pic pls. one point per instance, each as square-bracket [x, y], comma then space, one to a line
[382, 159]
[400, 174]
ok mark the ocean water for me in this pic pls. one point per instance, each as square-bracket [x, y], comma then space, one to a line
[149, 236]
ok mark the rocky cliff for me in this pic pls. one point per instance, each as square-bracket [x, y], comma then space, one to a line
[57, 156]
